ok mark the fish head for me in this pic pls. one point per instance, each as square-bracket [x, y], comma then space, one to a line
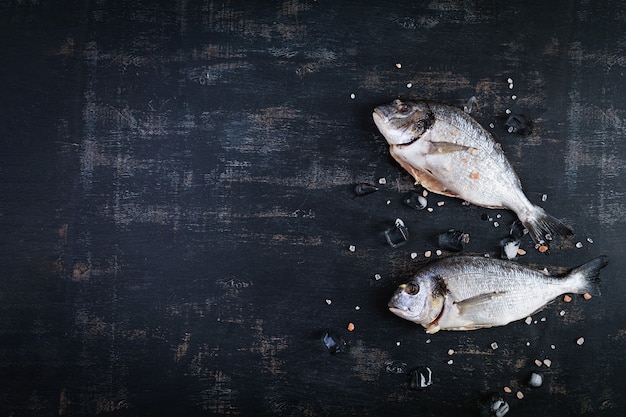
[420, 300]
[403, 122]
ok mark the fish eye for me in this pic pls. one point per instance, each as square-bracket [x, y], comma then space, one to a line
[412, 289]
[403, 107]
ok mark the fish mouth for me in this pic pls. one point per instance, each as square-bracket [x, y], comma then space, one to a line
[397, 311]
[379, 116]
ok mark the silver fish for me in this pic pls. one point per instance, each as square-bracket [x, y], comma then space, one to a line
[449, 153]
[472, 292]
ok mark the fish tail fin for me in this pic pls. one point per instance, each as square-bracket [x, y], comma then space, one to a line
[588, 275]
[543, 227]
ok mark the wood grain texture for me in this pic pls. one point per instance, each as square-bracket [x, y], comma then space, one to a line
[177, 204]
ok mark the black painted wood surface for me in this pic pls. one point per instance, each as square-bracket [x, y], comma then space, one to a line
[177, 206]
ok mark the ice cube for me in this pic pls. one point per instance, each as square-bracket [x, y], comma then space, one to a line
[398, 234]
[334, 342]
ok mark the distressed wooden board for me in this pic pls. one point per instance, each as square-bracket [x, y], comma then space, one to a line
[177, 204]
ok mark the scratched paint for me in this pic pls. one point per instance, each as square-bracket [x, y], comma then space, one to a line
[196, 204]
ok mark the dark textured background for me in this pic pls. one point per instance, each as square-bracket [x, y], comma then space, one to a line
[176, 204]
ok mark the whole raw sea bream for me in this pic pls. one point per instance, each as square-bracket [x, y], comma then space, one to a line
[449, 153]
[472, 292]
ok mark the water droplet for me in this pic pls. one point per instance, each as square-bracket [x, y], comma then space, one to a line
[396, 367]
[363, 188]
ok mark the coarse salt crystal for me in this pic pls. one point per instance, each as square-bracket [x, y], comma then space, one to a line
[357, 308]
[397, 343]
[382, 181]
[388, 202]
[507, 390]
[428, 340]
[580, 341]
[413, 255]
[567, 298]
[352, 248]
[350, 327]
[328, 301]
[538, 362]
[513, 97]
[491, 125]
[352, 96]
[544, 197]
[527, 343]
[543, 319]
[450, 362]
[428, 254]
[450, 351]
[590, 240]
[398, 65]
[547, 362]
[562, 313]
[496, 224]
[409, 85]
[430, 209]
[438, 252]
[441, 203]
[509, 80]
[528, 320]
[552, 347]
[519, 395]
[579, 245]
[587, 296]
[494, 346]
[377, 277]
[508, 111]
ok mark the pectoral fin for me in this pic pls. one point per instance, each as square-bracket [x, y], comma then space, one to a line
[449, 147]
[471, 306]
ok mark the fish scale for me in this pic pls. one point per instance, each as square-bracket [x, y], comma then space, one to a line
[471, 292]
[449, 153]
